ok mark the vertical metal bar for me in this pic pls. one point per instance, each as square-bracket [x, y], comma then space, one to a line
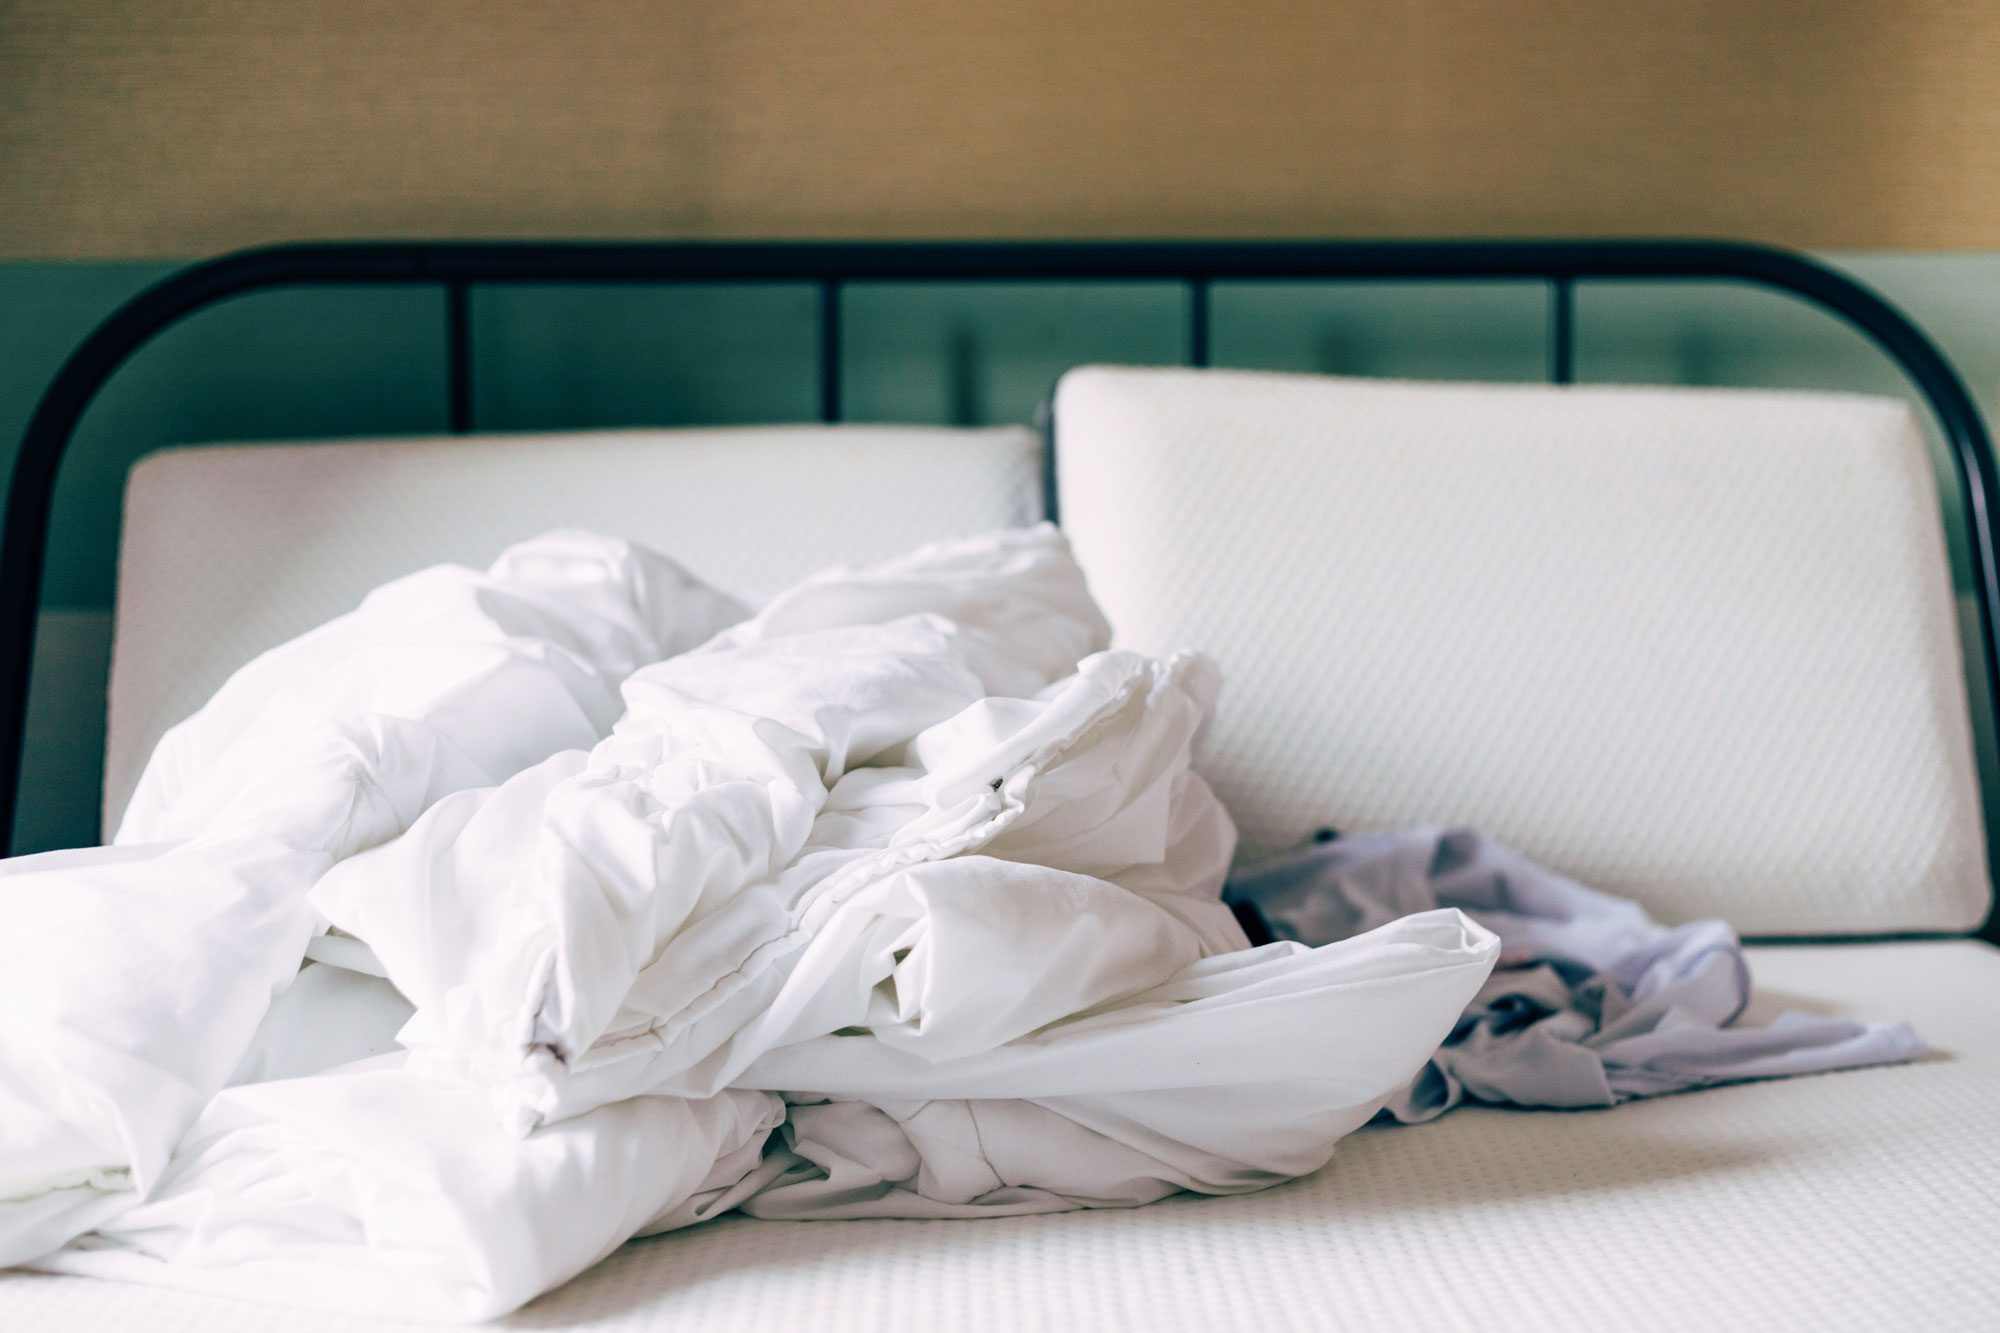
[1197, 330]
[458, 356]
[829, 350]
[1562, 330]
[1045, 426]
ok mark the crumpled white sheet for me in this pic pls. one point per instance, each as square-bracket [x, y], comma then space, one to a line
[133, 977]
[898, 898]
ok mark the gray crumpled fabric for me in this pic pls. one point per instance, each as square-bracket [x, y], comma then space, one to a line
[1592, 1001]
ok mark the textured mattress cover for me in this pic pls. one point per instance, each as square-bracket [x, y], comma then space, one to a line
[1853, 1201]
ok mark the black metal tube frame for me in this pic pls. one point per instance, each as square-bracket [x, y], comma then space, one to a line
[456, 268]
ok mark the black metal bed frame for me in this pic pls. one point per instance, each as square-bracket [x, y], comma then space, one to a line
[456, 268]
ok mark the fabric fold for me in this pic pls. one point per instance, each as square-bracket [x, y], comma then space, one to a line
[134, 977]
[1593, 1002]
[373, 1191]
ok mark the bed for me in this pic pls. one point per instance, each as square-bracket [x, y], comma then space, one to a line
[1696, 646]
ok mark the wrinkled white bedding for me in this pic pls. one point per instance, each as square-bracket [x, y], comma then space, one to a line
[896, 898]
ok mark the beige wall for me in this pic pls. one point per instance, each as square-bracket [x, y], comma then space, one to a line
[183, 126]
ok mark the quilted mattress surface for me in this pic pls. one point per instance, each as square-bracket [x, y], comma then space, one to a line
[1852, 1201]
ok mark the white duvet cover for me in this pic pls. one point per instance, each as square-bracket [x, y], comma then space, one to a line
[896, 898]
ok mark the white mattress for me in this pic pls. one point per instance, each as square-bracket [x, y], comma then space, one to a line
[1695, 647]
[1860, 1200]
[229, 550]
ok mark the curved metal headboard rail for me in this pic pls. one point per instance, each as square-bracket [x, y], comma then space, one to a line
[457, 267]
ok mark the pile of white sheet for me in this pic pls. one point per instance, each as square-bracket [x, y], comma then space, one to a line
[896, 898]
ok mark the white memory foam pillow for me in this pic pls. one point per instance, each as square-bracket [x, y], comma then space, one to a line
[1693, 646]
[230, 550]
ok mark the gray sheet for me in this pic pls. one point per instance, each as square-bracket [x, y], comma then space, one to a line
[1593, 1002]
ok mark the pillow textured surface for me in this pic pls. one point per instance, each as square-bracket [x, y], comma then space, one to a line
[1694, 647]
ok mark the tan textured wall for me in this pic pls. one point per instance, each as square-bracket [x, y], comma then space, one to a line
[183, 126]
